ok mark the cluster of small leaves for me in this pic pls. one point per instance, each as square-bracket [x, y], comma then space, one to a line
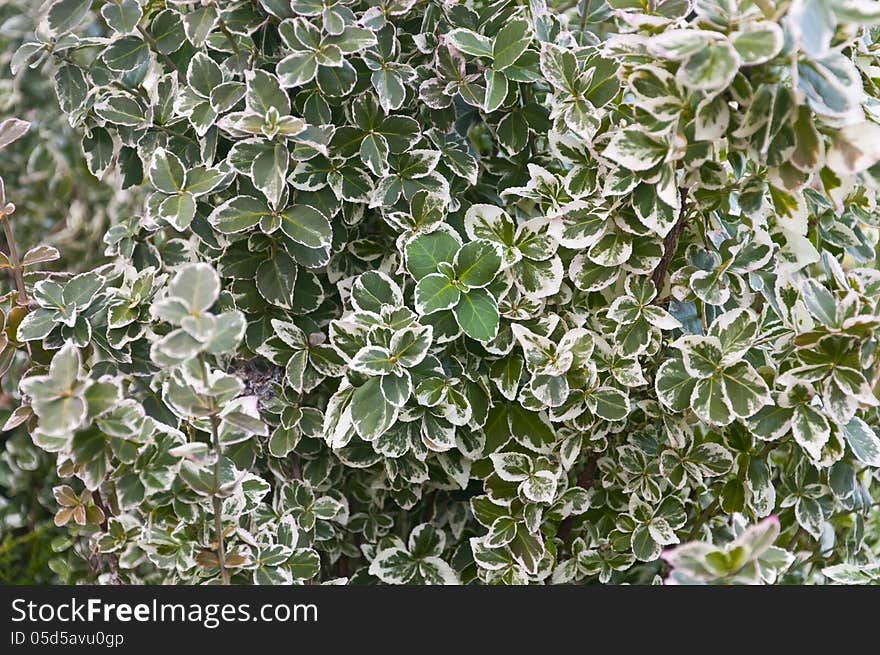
[440, 292]
[58, 204]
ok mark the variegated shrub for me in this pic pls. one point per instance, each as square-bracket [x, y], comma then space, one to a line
[449, 292]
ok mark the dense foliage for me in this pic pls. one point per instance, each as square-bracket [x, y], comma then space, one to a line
[437, 291]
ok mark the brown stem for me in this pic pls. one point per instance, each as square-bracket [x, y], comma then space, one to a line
[112, 560]
[670, 243]
[218, 517]
[295, 467]
[174, 133]
[586, 478]
[794, 538]
[706, 513]
[223, 28]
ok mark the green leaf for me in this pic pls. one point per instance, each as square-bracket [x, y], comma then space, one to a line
[810, 430]
[121, 110]
[410, 345]
[510, 42]
[702, 356]
[203, 75]
[196, 285]
[863, 440]
[297, 69]
[711, 68]
[98, 149]
[269, 171]
[306, 225]
[636, 149]
[470, 42]
[808, 514]
[126, 54]
[477, 263]
[611, 404]
[540, 487]
[396, 388]
[820, 302]
[435, 292]
[238, 214]
[710, 403]
[482, 221]
[736, 331]
[611, 250]
[36, 325]
[178, 210]
[745, 389]
[559, 66]
[167, 30]
[393, 566]
[733, 496]
[82, 289]
[511, 467]
[65, 368]
[832, 86]
[166, 173]
[643, 545]
[373, 360]
[757, 43]
[496, 90]
[276, 279]
[506, 373]
[122, 15]
[352, 39]
[771, 422]
[850, 574]
[390, 87]
[425, 252]
[304, 564]
[228, 333]
[65, 15]
[373, 290]
[371, 414]
[531, 429]
[374, 153]
[199, 23]
[477, 314]
[680, 43]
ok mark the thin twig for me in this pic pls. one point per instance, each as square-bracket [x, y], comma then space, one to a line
[13, 251]
[154, 46]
